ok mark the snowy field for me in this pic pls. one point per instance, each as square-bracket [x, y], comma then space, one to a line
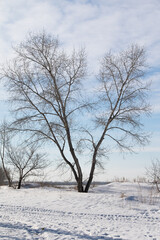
[117, 211]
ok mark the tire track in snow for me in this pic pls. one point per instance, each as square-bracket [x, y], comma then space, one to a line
[58, 223]
[48, 212]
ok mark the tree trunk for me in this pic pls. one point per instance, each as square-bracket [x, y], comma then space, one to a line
[80, 185]
[91, 172]
[19, 183]
[7, 174]
[89, 180]
[157, 186]
[9, 183]
[79, 170]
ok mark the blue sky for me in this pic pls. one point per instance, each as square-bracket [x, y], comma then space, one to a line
[100, 26]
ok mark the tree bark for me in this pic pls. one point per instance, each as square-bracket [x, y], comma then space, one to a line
[157, 186]
[91, 174]
[80, 185]
[19, 183]
[7, 174]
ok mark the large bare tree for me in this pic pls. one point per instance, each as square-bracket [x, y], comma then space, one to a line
[47, 88]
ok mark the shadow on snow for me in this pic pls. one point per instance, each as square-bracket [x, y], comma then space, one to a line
[36, 232]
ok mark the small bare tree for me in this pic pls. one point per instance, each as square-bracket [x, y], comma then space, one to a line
[153, 173]
[2, 176]
[26, 162]
[47, 89]
[22, 160]
[4, 141]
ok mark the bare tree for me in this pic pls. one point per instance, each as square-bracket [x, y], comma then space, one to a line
[4, 141]
[153, 173]
[47, 90]
[26, 162]
[22, 160]
[2, 176]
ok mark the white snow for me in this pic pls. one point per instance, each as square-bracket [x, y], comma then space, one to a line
[117, 211]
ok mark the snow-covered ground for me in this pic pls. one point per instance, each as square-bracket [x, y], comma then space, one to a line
[117, 211]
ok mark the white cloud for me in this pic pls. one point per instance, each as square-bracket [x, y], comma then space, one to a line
[98, 25]
[156, 107]
[101, 25]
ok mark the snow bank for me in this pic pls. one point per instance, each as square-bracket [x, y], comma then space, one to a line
[124, 211]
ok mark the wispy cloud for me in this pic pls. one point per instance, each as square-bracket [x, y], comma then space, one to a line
[100, 25]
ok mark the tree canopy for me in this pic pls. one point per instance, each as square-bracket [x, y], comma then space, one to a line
[48, 91]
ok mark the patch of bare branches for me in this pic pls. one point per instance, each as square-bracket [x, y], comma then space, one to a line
[47, 88]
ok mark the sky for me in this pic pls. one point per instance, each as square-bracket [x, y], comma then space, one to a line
[100, 26]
